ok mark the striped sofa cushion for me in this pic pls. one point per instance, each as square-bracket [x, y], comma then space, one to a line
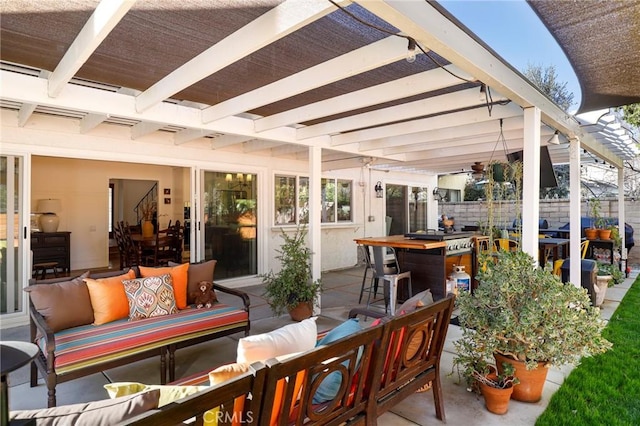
[90, 345]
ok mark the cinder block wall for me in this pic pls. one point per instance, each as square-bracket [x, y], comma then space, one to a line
[556, 212]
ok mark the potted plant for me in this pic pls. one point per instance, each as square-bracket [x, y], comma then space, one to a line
[483, 377]
[594, 213]
[524, 315]
[612, 271]
[603, 280]
[292, 288]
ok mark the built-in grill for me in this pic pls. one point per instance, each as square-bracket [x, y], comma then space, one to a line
[457, 242]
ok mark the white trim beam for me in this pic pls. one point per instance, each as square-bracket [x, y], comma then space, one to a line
[401, 88]
[104, 19]
[366, 58]
[282, 20]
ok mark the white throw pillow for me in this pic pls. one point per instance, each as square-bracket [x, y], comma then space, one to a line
[291, 338]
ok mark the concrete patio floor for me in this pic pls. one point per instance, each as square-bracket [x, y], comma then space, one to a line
[341, 294]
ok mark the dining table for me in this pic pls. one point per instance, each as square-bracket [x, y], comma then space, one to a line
[13, 355]
[144, 244]
[558, 248]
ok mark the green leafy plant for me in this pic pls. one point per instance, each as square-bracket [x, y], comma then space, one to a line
[471, 364]
[597, 221]
[528, 314]
[293, 284]
[613, 270]
[615, 236]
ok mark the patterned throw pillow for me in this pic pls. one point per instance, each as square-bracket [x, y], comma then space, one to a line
[150, 297]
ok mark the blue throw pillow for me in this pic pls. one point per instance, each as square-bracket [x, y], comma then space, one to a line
[330, 386]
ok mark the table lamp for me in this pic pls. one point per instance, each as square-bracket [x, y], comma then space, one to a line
[49, 220]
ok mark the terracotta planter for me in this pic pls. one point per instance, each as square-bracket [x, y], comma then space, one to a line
[604, 234]
[531, 381]
[301, 312]
[496, 400]
[591, 233]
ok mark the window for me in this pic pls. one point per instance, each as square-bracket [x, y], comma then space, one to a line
[344, 200]
[285, 200]
[336, 197]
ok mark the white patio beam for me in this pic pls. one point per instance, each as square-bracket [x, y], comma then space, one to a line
[258, 145]
[91, 121]
[512, 137]
[366, 58]
[187, 135]
[475, 115]
[282, 20]
[460, 131]
[144, 128]
[531, 182]
[432, 29]
[401, 88]
[224, 141]
[104, 19]
[289, 149]
[436, 104]
[25, 112]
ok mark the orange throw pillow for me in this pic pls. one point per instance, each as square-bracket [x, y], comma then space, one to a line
[108, 298]
[179, 277]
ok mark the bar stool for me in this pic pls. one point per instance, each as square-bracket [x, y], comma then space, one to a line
[43, 267]
[388, 272]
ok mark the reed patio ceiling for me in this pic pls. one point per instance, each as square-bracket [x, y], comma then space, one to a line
[273, 78]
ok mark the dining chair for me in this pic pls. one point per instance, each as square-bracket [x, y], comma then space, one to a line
[127, 249]
[505, 244]
[383, 264]
[176, 232]
[557, 265]
[162, 251]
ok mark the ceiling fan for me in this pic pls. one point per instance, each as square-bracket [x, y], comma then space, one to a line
[478, 170]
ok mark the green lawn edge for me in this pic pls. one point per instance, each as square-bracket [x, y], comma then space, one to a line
[604, 389]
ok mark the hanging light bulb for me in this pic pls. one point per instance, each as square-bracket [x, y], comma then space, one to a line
[411, 52]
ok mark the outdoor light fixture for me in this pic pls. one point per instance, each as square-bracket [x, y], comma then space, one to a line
[411, 52]
[554, 140]
[436, 194]
[379, 190]
[483, 92]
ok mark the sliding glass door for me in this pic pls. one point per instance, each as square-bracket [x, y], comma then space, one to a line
[229, 213]
[406, 208]
[12, 229]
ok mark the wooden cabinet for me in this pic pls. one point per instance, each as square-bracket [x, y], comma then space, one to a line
[52, 247]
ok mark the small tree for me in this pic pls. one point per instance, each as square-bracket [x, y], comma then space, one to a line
[546, 79]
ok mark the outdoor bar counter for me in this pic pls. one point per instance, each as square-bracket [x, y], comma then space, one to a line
[425, 259]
